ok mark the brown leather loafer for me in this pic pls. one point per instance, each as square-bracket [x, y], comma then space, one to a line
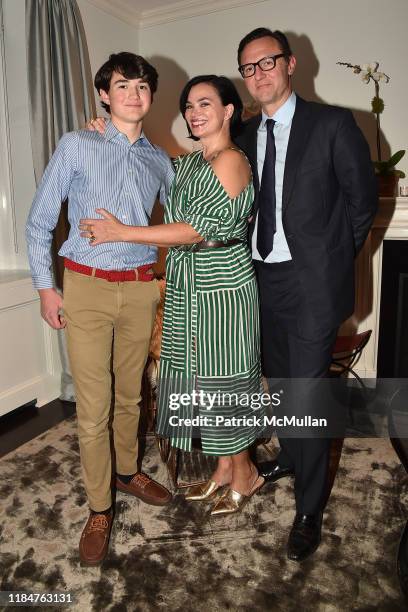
[94, 542]
[146, 489]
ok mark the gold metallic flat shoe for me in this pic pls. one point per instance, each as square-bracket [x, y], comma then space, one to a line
[205, 490]
[231, 501]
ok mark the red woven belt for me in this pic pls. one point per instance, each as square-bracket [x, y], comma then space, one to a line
[142, 273]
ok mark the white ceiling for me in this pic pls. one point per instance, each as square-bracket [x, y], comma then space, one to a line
[145, 13]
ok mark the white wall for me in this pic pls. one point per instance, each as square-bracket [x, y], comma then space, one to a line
[105, 35]
[322, 32]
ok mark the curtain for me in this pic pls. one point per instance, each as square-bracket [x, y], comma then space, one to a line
[61, 99]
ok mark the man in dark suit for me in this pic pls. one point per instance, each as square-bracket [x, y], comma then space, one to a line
[316, 198]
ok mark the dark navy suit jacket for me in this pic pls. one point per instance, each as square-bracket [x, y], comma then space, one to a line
[328, 205]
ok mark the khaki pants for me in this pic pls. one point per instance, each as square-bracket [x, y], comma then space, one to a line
[103, 317]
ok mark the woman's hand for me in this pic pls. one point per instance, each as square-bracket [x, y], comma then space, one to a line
[108, 229]
[96, 125]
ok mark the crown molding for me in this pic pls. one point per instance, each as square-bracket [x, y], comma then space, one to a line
[176, 11]
[120, 9]
[185, 9]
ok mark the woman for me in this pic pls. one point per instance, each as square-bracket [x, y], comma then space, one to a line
[209, 364]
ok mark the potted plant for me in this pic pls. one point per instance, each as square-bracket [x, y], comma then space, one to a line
[386, 172]
[388, 175]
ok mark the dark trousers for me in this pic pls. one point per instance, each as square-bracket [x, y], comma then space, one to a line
[295, 347]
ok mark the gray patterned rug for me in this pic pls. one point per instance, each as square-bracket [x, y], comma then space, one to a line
[176, 557]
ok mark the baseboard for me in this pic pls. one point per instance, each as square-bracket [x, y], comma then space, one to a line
[44, 389]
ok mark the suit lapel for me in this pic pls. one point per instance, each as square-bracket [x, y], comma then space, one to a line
[301, 126]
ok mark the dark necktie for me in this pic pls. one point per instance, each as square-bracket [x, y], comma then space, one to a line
[267, 197]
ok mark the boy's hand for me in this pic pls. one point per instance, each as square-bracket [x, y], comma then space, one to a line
[51, 305]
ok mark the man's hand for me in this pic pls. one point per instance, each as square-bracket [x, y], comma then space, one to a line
[96, 125]
[51, 304]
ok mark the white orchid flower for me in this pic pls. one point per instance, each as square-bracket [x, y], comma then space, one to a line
[383, 77]
[367, 72]
[372, 67]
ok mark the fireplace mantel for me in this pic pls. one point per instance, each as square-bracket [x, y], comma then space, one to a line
[392, 217]
[391, 223]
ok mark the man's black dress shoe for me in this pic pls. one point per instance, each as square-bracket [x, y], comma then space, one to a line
[304, 537]
[272, 471]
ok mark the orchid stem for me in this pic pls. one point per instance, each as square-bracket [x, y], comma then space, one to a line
[377, 93]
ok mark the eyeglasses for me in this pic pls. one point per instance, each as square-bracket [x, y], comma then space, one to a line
[265, 64]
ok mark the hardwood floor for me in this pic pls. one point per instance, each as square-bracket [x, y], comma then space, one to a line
[28, 422]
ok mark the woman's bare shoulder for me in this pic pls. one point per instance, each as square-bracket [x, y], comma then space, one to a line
[232, 170]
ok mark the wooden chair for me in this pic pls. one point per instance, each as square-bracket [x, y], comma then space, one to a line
[346, 353]
[189, 464]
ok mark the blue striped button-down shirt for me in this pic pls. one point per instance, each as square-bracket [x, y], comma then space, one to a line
[96, 171]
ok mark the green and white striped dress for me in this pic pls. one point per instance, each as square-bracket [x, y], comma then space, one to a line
[210, 342]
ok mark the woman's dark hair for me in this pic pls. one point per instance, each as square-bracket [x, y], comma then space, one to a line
[262, 33]
[131, 66]
[227, 93]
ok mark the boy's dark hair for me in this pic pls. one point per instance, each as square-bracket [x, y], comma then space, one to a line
[262, 33]
[226, 91]
[131, 66]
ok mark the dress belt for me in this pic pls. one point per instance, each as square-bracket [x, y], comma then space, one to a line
[215, 244]
[181, 263]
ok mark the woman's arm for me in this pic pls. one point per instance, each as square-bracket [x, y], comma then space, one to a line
[110, 229]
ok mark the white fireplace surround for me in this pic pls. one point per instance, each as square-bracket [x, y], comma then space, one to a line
[391, 223]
